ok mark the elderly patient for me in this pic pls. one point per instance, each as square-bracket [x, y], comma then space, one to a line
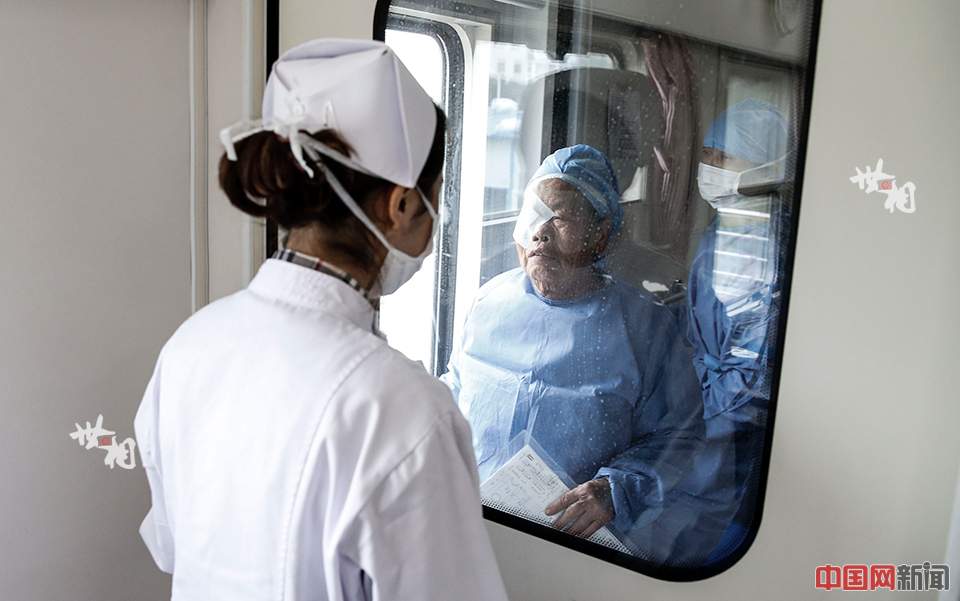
[594, 370]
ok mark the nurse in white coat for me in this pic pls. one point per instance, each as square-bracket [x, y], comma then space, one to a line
[291, 453]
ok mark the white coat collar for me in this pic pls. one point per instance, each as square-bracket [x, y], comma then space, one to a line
[300, 286]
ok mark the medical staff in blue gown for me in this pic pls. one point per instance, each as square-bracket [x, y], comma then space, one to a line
[593, 369]
[732, 308]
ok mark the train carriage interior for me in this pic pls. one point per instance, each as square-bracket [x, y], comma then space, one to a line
[756, 361]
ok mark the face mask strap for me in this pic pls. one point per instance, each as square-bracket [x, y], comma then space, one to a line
[781, 162]
[315, 148]
[426, 201]
[358, 212]
[351, 204]
[779, 179]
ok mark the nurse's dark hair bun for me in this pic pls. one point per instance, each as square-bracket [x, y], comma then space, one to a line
[267, 181]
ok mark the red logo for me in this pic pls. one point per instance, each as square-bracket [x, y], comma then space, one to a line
[854, 578]
[883, 577]
[104, 441]
[885, 185]
[828, 577]
[858, 577]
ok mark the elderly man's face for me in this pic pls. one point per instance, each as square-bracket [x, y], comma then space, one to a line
[560, 258]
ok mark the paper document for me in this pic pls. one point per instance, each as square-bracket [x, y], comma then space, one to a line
[525, 486]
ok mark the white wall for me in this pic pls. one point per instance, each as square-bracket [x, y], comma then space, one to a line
[235, 75]
[94, 191]
[305, 20]
[865, 453]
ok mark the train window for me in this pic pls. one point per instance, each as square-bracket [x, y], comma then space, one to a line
[406, 316]
[620, 204]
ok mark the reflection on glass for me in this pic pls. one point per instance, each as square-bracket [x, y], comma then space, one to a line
[627, 184]
[518, 71]
[592, 369]
[732, 301]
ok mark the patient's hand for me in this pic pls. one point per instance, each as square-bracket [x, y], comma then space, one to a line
[586, 508]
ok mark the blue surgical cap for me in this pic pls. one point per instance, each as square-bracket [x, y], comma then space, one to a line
[591, 172]
[752, 129]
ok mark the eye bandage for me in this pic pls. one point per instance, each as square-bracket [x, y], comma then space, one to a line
[533, 215]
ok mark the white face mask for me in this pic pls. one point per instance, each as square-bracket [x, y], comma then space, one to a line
[398, 267]
[718, 186]
[721, 187]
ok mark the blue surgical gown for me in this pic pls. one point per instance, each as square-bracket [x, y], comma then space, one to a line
[732, 308]
[602, 382]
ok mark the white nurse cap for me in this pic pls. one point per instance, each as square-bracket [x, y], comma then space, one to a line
[359, 88]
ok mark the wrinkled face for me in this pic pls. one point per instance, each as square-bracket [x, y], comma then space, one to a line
[567, 245]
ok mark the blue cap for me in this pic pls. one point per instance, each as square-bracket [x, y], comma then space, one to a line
[751, 129]
[591, 172]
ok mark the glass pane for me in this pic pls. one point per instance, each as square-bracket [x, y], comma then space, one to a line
[406, 316]
[626, 199]
[517, 69]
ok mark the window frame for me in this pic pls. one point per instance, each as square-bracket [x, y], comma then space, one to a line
[271, 54]
[445, 276]
[382, 17]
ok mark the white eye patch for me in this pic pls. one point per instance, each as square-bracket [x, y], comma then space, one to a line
[533, 214]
